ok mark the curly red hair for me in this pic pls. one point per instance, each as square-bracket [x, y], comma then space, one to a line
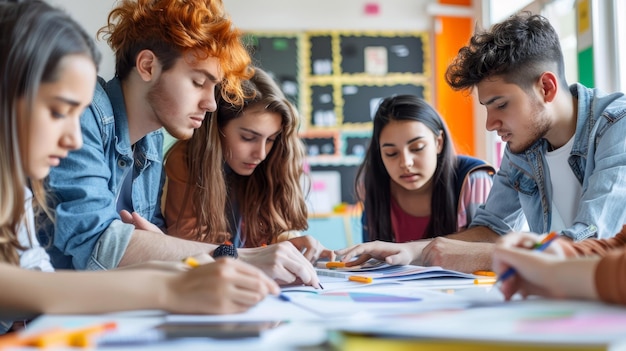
[171, 28]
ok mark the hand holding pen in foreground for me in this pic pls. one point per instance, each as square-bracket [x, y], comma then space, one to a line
[539, 246]
[530, 264]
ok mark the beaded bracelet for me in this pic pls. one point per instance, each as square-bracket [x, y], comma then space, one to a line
[227, 249]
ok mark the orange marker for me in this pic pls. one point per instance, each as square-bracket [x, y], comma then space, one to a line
[18, 339]
[53, 338]
[485, 273]
[57, 337]
[85, 337]
[335, 264]
[360, 279]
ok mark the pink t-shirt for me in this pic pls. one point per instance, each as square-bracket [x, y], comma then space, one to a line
[474, 193]
[405, 226]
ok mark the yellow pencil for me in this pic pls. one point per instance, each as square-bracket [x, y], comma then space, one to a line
[191, 262]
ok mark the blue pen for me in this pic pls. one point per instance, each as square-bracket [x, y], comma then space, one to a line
[547, 240]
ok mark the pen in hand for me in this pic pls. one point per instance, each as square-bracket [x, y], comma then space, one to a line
[540, 246]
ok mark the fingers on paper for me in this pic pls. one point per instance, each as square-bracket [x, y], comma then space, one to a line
[290, 264]
[348, 254]
[312, 249]
[529, 266]
[328, 254]
[361, 259]
[309, 247]
[396, 259]
[254, 279]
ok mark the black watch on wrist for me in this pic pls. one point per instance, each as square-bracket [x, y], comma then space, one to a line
[225, 250]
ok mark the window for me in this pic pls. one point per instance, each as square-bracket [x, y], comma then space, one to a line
[620, 30]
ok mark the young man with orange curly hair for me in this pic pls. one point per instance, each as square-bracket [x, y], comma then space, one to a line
[171, 57]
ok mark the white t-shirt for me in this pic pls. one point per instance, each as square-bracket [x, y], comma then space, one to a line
[35, 256]
[566, 189]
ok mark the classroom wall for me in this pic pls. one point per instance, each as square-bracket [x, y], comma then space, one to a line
[278, 15]
[92, 15]
[456, 107]
[330, 14]
[290, 15]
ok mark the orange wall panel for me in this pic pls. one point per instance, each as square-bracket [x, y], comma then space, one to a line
[457, 108]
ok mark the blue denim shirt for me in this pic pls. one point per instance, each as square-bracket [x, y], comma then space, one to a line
[87, 232]
[522, 188]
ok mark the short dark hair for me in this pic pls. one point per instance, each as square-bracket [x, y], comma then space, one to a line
[519, 49]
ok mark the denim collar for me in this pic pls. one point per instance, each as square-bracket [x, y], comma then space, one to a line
[145, 146]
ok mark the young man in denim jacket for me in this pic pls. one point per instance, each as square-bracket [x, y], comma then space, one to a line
[169, 65]
[565, 158]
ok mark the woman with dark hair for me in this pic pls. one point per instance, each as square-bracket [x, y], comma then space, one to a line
[412, 183]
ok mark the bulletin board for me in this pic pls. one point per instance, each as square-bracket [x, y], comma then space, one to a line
[347, 174]
[360, 102]
[277, 54]
[404, 53]
[341, 77]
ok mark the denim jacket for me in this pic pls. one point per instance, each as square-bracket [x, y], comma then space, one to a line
[522, 188]
[87, 232]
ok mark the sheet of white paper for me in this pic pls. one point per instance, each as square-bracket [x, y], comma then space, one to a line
[529, 321]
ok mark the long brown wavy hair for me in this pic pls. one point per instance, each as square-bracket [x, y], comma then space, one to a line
[171, 28]
[271, 200]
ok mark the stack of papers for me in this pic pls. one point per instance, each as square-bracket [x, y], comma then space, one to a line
[379, 270]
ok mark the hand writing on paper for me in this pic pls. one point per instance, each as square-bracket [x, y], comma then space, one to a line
[392, 253]
[139, 222]
[225, 286]
[545, 273]
[283, 262]
[311, 248]
[527, 241]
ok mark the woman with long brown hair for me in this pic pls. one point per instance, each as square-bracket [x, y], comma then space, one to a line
[238, 178]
